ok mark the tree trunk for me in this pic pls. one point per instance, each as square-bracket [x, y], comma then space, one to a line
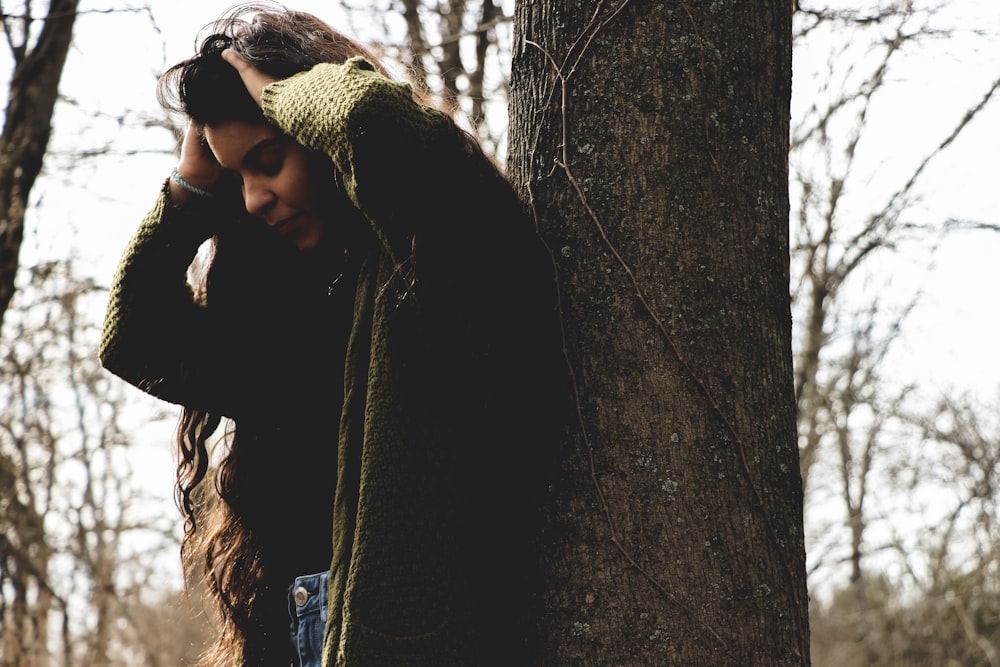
[650, 140]
[32, 97]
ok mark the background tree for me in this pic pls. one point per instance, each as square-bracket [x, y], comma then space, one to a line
[888, 541]
[38, 55]
[81, 547]
[80, 541]
[457, 52]
[650, 141]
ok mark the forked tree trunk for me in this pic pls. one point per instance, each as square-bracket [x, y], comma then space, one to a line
[651, 139]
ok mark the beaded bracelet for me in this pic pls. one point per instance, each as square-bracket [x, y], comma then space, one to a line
[193, 189]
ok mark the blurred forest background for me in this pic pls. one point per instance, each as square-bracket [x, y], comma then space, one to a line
[894, 159]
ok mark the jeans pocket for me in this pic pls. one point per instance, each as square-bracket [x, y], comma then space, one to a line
[307, 607]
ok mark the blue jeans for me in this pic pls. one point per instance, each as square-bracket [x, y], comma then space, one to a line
[307, 610]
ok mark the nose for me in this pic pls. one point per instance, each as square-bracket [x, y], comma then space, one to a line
[258, 198]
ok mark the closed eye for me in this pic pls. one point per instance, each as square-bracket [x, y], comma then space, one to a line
[269, 162]
[267, 157]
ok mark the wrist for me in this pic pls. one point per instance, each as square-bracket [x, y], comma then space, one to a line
[192, 188]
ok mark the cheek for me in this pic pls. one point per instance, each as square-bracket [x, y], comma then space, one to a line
[325, 190]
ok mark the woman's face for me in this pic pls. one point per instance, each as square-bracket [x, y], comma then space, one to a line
[278, 185]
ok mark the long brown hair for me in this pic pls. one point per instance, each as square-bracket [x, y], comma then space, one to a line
[250, 537]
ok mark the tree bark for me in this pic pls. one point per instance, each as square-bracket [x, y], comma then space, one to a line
[34, 87]
[650, 140]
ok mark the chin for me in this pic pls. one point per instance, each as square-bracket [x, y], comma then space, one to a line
[308, 241]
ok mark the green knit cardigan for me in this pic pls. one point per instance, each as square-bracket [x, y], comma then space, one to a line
[449, 383]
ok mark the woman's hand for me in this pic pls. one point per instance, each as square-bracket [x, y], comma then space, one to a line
[197, 166]
[254, 79]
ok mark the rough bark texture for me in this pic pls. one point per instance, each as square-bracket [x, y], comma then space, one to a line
[34, 88]
[650, 139]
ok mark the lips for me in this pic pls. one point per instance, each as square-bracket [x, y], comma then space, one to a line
[282, 225]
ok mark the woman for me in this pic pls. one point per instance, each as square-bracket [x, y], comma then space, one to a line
[376, 329]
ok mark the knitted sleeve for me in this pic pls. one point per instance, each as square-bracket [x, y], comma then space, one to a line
[154, 330]
[377, 135]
